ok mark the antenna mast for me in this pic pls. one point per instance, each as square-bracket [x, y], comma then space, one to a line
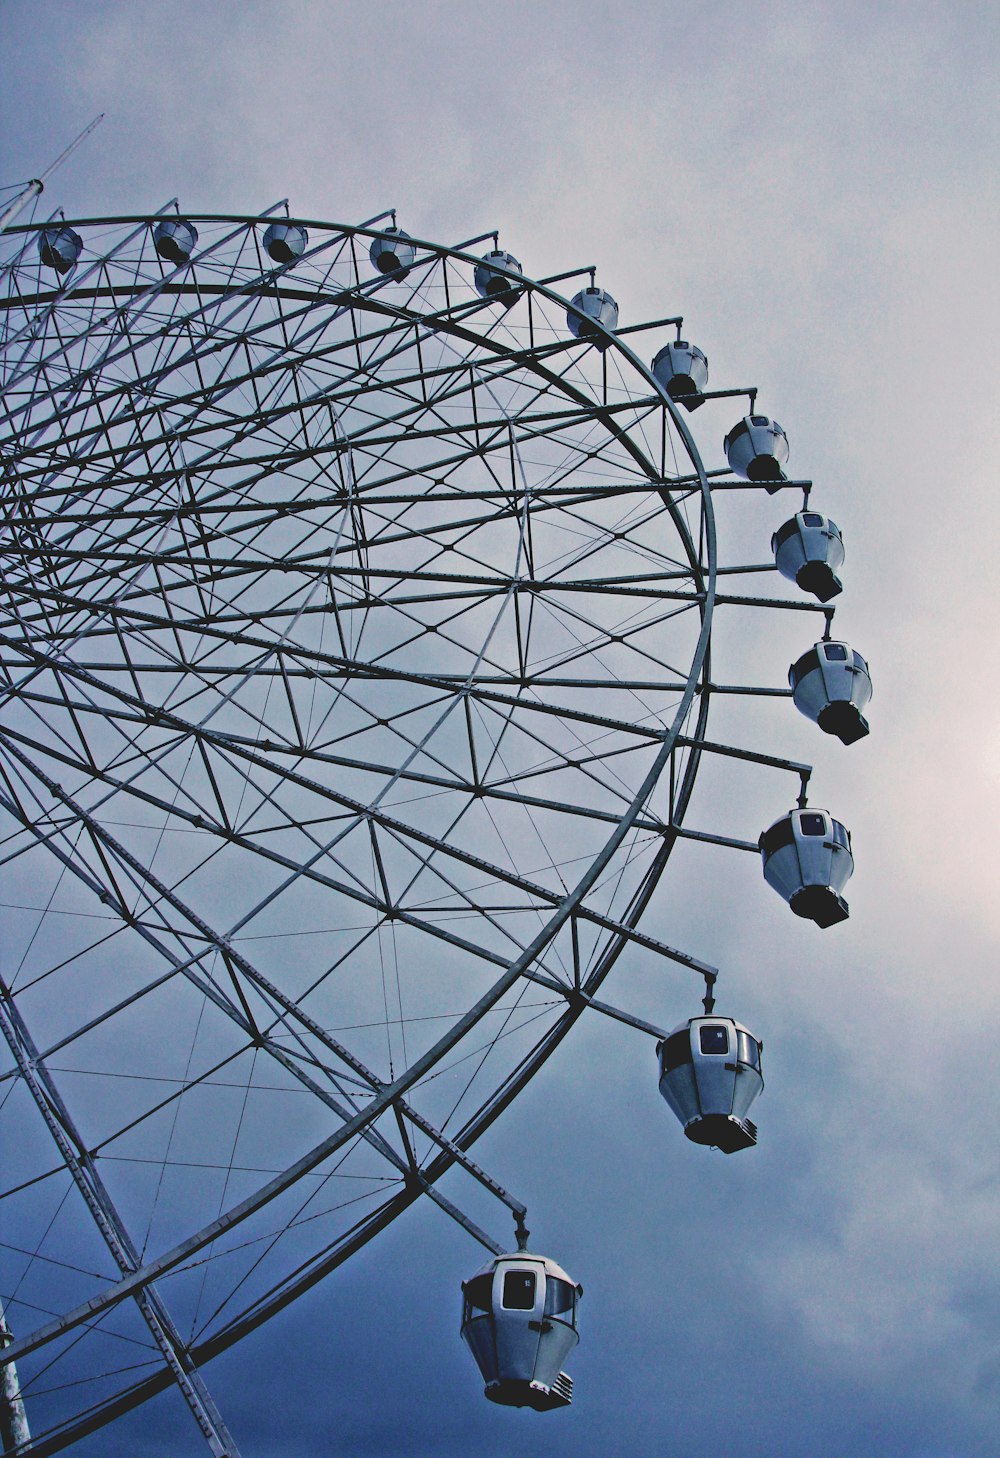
[33, 188]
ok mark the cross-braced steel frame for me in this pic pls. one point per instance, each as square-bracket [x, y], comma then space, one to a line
[355, 663]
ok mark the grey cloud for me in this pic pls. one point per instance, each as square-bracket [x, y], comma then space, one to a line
[809, 188]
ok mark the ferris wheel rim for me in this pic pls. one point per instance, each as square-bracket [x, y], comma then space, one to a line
[705, 606]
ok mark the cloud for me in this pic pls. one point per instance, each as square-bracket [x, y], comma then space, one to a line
[809, 186]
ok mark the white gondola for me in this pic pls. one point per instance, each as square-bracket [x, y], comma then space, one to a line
[682, 370]
[831, 685]
[284, 242]
[59, 248]
[494, 284]
[756, 449]
[808, 550]
[519, 1320]
[591, 312]
[393, 253]
[807, 859]
[174, 239]
[710, 1075]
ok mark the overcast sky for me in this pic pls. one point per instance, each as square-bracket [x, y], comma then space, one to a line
[814, 186]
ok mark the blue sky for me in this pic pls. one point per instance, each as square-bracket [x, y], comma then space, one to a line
[814, 187]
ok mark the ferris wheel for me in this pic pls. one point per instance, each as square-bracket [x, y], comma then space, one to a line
[358, 605]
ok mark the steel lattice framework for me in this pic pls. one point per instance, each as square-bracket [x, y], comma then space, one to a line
[355, 671]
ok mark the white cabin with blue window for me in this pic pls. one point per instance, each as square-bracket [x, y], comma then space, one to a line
[284, 242]
[710, 1075]
[493, 278]
[59, 248]
[807, 858]
[519, 1321]
[592, 312]
[682, 369]
[392, 253]
[831, 685]
[809, 550]
[756, 449]
[174, 239]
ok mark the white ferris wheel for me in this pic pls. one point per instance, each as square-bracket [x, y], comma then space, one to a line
[358, 608]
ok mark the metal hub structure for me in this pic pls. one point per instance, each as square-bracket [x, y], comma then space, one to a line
[355, 673]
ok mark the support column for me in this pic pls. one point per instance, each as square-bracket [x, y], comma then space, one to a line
[14, 1434]
[102, 1208]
